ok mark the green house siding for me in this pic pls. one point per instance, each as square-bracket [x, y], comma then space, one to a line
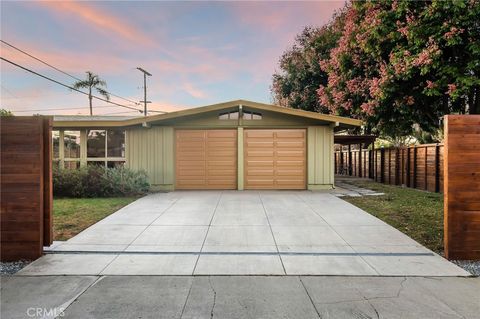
[150, 140]
[320, 157]
[152, 150]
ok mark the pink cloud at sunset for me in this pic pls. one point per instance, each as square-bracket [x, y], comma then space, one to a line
[101, 19]
[198, 52]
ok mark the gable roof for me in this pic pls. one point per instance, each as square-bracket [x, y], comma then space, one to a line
[104, 121]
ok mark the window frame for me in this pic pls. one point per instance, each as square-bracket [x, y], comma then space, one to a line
[83, 160]
[250, 116]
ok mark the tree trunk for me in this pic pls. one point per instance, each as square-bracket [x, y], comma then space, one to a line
[90, 100]
[475, 105]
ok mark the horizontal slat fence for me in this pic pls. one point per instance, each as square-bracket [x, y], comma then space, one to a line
[26, 186]
[419, 166]
[462, 187]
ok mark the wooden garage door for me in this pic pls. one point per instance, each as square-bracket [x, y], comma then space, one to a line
[275, 159]
[206, 159]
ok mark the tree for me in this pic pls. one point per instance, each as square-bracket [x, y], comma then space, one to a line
[399, 65]
[92, 82]
[4, 112]
[402, 65]
[300, 74]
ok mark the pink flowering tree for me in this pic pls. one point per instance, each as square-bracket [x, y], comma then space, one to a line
[296, 82]
[402, 65]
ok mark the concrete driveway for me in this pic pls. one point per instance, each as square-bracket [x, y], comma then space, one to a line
[242, 233]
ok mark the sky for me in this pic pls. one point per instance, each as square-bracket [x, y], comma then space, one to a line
[199, 53]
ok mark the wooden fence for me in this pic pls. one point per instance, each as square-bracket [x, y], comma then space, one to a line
[419, 166]
[26, 186]
[462, 187]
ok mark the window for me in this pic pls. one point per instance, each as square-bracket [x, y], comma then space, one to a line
[102, 147]
[96, 143]
[228, 116]
[116, 143]
[251, 115]
[106, 147]
[56, 144]
[71, 142]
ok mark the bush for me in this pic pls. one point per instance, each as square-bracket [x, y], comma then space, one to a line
[94, 181]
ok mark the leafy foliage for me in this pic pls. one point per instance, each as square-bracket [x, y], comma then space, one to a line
[300, 74]
[92, 82]
[401, 65]
[94, 181]
[4, 112]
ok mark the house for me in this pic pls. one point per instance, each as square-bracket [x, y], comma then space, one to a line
[232, 145]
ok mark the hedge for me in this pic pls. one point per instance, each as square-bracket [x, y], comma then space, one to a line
[95, 181]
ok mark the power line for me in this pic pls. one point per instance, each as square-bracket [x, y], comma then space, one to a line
[68, 86]
[61, 71]
[65, 109]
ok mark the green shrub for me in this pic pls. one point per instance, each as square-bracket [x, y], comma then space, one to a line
[95, 181]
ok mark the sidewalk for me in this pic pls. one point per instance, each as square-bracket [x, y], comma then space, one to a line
[239, 297]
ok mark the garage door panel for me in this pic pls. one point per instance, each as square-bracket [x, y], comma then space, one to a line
[260, 144]
[290, 172]
[260, 172]
[221, 153]
[229, 134]
[296, 134]
[258, 182]
[190, 135]
[289, 163]
[291, 144]
[279, 155]
[214, 173]
[290, 153]
[259, 133]
[223, 144]
[206, 159]
[267, 154]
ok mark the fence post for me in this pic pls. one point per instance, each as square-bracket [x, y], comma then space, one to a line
[360, 161]
[389, 166]
[414, 167]
[437, 168]
[426, 168]
[382, 165]
[349, 160]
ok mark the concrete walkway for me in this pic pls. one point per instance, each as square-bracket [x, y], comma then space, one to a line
[242, 233]
[239, 297]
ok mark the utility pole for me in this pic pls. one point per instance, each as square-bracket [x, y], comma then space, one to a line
[145, 73]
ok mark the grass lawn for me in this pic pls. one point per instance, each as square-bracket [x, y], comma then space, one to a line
[72, 215]
[417, 213]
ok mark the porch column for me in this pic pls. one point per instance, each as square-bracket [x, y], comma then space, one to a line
[240, 158]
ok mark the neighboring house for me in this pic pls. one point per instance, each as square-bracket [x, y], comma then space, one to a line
[233, 145]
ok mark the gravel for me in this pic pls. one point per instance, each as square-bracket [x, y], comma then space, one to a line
[472, 266]
[9, 268]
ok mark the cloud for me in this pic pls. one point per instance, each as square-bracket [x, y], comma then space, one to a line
[69, 61]
[100, 19]
[195, 92]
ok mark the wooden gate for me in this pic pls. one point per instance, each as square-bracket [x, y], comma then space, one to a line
[26, 186]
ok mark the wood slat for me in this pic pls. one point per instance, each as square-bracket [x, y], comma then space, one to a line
[462, 186]
[26, 183]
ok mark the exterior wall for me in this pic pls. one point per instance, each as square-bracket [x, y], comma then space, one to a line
[320, 164]
[152, 150]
